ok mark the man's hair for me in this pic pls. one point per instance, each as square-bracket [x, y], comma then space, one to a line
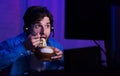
[35, 13]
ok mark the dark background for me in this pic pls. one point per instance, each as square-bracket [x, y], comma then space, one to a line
[95, 20]
[87, 19]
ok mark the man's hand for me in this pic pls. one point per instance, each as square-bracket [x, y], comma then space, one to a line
[32, 42]
[58, 54]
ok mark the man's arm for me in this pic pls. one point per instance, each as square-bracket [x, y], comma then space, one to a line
[10, 52]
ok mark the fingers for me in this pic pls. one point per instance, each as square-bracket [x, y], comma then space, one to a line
[57, 57]
[35, 40]
[36, 44]
[58, 54]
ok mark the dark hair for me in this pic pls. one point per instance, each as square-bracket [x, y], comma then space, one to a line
[35, 13]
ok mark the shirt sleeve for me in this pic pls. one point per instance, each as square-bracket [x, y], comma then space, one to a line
[10, 52]
[58, 64]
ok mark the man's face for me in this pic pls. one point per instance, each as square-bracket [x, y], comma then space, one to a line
[41, 26]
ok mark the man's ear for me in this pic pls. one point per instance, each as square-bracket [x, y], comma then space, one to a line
[52, 29]
[27, 30]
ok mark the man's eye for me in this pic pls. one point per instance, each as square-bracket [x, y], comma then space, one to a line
[47, 26]
[37, 25]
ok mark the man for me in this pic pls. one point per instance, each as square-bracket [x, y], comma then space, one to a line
[17, 52]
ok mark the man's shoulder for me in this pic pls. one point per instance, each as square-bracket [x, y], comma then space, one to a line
[53, 42]
[11, 42]
[21, 36]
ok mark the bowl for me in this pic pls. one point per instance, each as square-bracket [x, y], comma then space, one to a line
[45, 53]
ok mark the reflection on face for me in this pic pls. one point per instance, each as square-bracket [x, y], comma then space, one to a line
[41, 26]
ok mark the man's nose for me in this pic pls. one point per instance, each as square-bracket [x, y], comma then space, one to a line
[42, 31]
